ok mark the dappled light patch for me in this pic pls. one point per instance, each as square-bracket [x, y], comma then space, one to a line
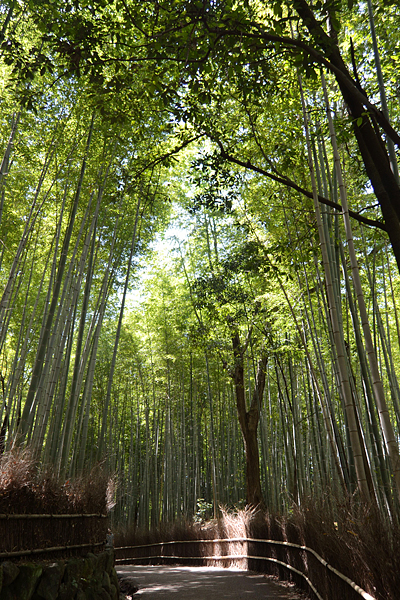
[198, 583]
[354, 540]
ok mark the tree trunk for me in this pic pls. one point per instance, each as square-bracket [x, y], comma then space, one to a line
[249, 420]
[369, 139]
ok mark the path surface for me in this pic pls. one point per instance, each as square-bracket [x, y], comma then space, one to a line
[202, 583]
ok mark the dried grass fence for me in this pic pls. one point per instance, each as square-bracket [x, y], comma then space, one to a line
[49, 535]
[42, 515]
[286, 560]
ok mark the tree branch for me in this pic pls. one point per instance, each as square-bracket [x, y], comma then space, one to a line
[341, 72]
[284, 180]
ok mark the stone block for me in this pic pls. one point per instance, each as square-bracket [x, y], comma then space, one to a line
[106, 583]
[10, 572]
[114, 578]
[67, 591]
[89, 578]
[77, 569]
[110, 559]
[102, 561]
[114, 592]
[94, 594]
[7, 594]
[23, 586]
[50, 581]
[93, 560]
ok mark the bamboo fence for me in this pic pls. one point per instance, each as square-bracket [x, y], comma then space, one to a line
[280, 558]
[47, 534]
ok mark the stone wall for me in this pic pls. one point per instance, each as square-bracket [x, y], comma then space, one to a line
[92, 577]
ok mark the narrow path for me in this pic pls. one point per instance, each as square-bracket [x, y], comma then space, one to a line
[202, 583]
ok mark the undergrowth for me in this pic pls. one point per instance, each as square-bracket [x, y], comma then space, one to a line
[25, 487]
[356, 540]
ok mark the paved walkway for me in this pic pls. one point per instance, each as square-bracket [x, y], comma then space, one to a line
[202, 583]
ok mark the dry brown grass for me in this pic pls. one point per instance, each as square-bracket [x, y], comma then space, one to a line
[354, 539]
[26, 488]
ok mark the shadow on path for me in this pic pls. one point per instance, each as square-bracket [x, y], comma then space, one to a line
[201, 583]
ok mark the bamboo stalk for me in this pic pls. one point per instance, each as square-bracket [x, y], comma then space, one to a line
[384, 416]
[344, 377]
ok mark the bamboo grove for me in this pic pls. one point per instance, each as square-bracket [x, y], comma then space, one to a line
[253, 357]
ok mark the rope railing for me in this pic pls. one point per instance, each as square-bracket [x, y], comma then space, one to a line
[244, 540]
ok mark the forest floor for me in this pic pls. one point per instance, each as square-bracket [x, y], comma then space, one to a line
[198, 583]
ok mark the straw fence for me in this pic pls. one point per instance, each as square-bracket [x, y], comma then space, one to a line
[283, 559]
[47, 535]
